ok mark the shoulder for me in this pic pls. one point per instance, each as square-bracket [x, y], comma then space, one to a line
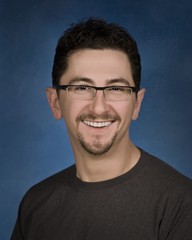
[173, 194]
[49, 188]
[161, 168]
[62, 178]
[166, 178]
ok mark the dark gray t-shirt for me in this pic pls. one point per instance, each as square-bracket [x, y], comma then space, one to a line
[150, 202]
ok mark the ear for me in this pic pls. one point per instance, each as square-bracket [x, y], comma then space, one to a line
[52, 97]
[140, 96]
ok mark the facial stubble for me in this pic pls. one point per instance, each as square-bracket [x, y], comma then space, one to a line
[96, 147]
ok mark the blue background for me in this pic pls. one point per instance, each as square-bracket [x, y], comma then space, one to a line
[32, 144]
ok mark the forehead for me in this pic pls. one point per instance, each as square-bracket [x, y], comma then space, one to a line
[98, 65]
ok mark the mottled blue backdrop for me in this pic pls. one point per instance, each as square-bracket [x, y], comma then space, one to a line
[32, 144]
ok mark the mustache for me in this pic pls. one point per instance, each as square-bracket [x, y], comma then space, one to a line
[92, 116]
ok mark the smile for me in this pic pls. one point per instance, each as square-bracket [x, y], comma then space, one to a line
[97, 124]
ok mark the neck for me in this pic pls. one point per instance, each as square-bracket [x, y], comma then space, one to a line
[95, 168]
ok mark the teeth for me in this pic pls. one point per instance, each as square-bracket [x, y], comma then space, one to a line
[97, 124]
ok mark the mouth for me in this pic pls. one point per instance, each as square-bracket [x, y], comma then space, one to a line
[97, 124]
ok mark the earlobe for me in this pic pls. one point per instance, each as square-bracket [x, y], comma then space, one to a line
[52, 98]
[140, 96]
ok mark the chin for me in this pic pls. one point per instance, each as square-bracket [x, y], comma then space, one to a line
[97, 147]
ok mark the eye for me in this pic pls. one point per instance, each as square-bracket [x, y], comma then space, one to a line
[81, 89]
[116, 89]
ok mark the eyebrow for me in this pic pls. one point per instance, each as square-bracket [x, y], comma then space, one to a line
[118, 80]
[77, 79]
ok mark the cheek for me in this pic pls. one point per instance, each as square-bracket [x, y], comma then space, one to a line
[125, 110]
[70, 110]
[69, 116]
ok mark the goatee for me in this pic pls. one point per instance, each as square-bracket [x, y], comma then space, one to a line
[96, 147]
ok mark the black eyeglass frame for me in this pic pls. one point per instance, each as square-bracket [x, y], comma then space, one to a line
[64, 87]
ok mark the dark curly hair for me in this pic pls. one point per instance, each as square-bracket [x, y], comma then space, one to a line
[95, 34]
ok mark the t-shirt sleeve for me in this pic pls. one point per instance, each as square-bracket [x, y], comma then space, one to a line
[17, 234]
[181, 228]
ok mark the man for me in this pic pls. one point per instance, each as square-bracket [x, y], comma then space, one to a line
[115, 191]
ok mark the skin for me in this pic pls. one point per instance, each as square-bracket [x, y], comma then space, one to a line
[105, 152]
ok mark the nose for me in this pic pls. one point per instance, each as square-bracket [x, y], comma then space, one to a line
[98, 104]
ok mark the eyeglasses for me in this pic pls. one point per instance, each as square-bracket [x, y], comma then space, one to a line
[111, 93]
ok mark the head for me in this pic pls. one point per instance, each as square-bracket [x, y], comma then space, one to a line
[95, 34]
[100, 55]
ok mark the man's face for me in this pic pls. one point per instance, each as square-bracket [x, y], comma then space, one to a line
[96, 126]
